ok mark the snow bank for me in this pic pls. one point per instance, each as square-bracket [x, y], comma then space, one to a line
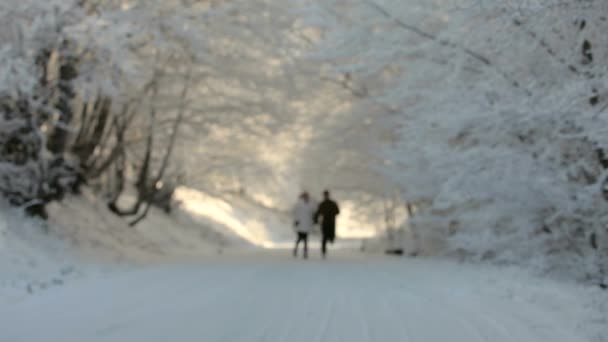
[234, 218]
[95, 232]
[32, 260]
[82, 238]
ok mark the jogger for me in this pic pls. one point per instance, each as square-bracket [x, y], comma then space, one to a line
[328, 209]
[303, 213]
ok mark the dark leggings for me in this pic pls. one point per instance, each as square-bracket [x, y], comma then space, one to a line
[324, 242]
[301, 237]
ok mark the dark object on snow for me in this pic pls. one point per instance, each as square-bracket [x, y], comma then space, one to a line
[37, 210]
[163, 196]
[604, 286]
[593, 240]
[328, 209]
[394, 251]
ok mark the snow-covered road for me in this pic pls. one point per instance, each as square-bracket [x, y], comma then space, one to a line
[272, 297]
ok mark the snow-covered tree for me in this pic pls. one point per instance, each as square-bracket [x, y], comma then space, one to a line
[499, 107]
[100, 89]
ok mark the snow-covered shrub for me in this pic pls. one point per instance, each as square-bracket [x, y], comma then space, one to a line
[30, 174]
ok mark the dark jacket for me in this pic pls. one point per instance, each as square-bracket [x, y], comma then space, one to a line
[328, 209]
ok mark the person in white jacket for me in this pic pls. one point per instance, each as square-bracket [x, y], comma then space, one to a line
[303, 221]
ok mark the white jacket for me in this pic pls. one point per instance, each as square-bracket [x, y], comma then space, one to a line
[303, 213]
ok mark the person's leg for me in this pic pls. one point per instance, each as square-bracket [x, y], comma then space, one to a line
[295, 249]
[305, 239]
[323, 245]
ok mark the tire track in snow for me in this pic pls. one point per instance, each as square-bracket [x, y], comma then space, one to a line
[540, 330]
[518, 328]
[294, 306]
[358, 309]
[381, 324]
[288, 311]
[324, 332]
[447, 309]
[386, 308]
[482, 315]
[284, 301]
[403, 325]
[245, 311]
[528, 318]
[404, 291]
[266, 329]
[189, 307]
[112, 311]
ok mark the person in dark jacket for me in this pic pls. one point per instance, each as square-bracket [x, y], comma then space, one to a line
[328, 209]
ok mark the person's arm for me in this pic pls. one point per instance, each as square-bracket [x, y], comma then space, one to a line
[317, 214]
[337, 209]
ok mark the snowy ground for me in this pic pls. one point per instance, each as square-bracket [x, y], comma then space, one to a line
[271, 297]
[93, 278]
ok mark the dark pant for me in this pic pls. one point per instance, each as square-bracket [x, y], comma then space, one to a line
[324, 240]
[301, 237]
